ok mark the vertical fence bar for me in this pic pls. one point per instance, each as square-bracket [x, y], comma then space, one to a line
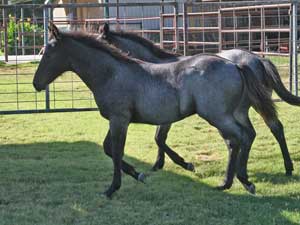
[234, 27]
[291, 51]
[263, 34]
[46, 21]
[16, 55]
[161, 27]
[220, 29]
[249, 30]
[261, 31]
[118, 17]
[185, 30]
[143, 27]
[176, 35]
[22, 32]
[295, 40]
[4, 14]
[106, 10]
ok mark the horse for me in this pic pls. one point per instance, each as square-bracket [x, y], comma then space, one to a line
[128, 90]
[267, 75]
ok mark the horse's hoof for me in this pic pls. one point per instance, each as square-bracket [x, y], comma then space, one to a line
[154, 168]
[107, 195]
[289, 173]
[222, 187]
[142, 177]
[157, 166]
[250, 188]
[190, 167]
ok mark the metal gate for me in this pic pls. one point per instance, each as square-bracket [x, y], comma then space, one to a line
[269, 28]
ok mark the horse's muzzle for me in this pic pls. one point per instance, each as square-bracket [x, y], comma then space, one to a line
[37, 88]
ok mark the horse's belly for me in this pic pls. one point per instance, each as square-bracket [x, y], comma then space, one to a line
[157, 108]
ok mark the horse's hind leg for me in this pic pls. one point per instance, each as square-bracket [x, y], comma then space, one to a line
[277, 130]
[160, 138]
[127, 168]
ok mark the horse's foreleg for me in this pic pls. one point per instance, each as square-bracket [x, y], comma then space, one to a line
[160, 138]
[247, 141]
[277, 130]
[118, 132]
[231, 131]
[233, 150]
[126, 167]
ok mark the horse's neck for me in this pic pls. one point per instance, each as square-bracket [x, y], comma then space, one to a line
[93, 66]
[139, 51]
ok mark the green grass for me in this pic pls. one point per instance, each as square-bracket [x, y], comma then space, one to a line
[53, 171]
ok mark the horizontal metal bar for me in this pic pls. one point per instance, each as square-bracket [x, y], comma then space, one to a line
[240, 3]
[193, 42]
[10, 112]
[79, 5]
[260, 6]
[256, 30]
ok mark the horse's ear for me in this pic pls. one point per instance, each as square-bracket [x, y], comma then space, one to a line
[53, 30]
[104, 30]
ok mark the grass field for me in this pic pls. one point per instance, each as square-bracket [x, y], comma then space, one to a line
[53, 168]
[53, 171]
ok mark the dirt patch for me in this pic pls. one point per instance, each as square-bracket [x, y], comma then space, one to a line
[208, 156]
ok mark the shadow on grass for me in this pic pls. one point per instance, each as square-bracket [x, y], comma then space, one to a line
[61, 182]
[276, 178]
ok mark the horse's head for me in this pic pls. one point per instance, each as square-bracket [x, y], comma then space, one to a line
[54, 60]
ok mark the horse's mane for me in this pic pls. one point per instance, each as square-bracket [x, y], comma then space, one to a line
[161, 53]
[91, 41]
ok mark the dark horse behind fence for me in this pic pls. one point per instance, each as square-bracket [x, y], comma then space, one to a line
[127, 91]
[265, 72]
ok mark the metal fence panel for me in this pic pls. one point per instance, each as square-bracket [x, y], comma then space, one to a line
[266, 27]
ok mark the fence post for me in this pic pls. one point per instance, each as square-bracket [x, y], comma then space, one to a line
[185, 29]
[295, 40]
[46, 22]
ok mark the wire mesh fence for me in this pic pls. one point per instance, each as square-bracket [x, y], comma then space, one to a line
[265, 27]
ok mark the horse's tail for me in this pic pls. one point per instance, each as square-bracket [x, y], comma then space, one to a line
[274, 80]
[258, 95]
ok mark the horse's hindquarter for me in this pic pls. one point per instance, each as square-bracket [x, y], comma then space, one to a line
[240, 56]
[215, 86]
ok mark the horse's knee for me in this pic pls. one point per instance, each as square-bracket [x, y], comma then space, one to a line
[248, 139]
[107, 148]
[160, 139]
[275, 126]
[252, 134]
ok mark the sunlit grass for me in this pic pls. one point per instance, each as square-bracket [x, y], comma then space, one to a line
[53, 171]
